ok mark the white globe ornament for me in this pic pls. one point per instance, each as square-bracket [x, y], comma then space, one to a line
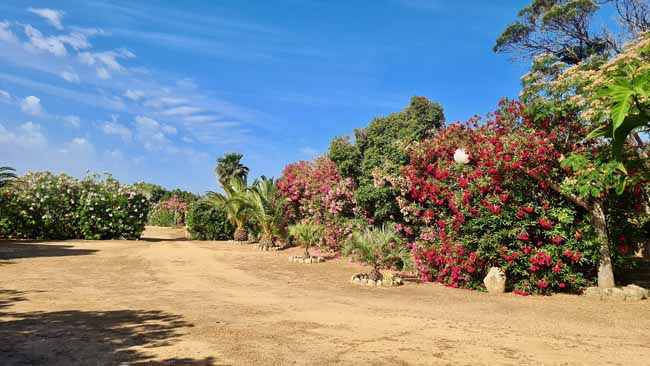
[461, 157]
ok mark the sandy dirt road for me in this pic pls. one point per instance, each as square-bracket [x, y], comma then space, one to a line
[173, 302]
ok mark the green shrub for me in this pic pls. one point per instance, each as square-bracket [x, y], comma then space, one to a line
[45, 206]
[206, 221]
[160, 216]
[40, 206]
[108, 210]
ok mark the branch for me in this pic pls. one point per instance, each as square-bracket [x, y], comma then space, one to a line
[571, 197]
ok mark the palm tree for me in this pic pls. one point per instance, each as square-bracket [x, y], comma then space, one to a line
[370, 246]
[236, 204]
[307, 234]
[267, 207]
[229, 166]
[7, 174]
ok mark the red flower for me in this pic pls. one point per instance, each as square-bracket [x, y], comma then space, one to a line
[557, 239]
[562, 285]
[521, 213]
[557, 269]
[579, 234]
[543, 185]
[520, 293]
[503, 197]
[523, 236]
[528, 209]
[542, 284]
[546, 224]
[576, 257]
[623, 249]
[568, 253]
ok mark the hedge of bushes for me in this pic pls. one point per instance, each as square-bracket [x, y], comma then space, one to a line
[45, 206]
[206, 221]
[169, 212]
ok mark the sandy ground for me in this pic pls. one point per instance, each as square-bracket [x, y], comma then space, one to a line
[172, 302]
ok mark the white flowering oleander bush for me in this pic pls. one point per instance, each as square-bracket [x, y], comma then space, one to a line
[45, 206]
[109, 210]
[40, 206]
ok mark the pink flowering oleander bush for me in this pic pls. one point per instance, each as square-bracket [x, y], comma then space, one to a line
[316, 191]
[45, 206]
[169, 212]
[463, 219]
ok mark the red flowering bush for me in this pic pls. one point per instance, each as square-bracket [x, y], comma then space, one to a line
[317, 192]
[495, 209]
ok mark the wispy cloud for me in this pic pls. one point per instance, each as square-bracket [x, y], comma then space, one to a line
[54, 17]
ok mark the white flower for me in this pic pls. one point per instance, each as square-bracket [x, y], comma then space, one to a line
[461, 157]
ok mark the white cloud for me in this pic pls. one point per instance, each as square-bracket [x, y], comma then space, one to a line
[27, 135]
[39, 42]
[52, 16]
[114, 128]
[152, 134]
[310, 151]
[32, 106]
[102, 73]
[5, 96]
[6, 35]
[203, 118]
[164, 101]
[105, 62]
[107, 58]
[78, 146]
[70, 76]
[72, 121]
[134, 95]
[181, 111]
[77, 40]
[169, 130]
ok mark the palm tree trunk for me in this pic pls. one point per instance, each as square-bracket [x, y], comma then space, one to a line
[241, 234]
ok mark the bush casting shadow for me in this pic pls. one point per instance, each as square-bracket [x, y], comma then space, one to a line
[25, 249]
[89, 337]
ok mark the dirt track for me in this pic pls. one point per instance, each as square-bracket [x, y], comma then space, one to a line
[154, 302]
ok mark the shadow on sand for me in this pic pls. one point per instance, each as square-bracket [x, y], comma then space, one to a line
[88, 337]
[31, 249]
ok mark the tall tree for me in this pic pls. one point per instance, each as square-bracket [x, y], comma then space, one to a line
[228, 167]
[382, 149]
[565, 29]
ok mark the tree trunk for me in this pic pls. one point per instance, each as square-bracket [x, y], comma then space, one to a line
[241, 235]
[605, 270]
[306, 255]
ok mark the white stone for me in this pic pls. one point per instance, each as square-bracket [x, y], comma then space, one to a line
[634, 292]
[495, 281]
[593, 292]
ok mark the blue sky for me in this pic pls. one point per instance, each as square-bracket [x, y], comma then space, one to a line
[156, 90]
